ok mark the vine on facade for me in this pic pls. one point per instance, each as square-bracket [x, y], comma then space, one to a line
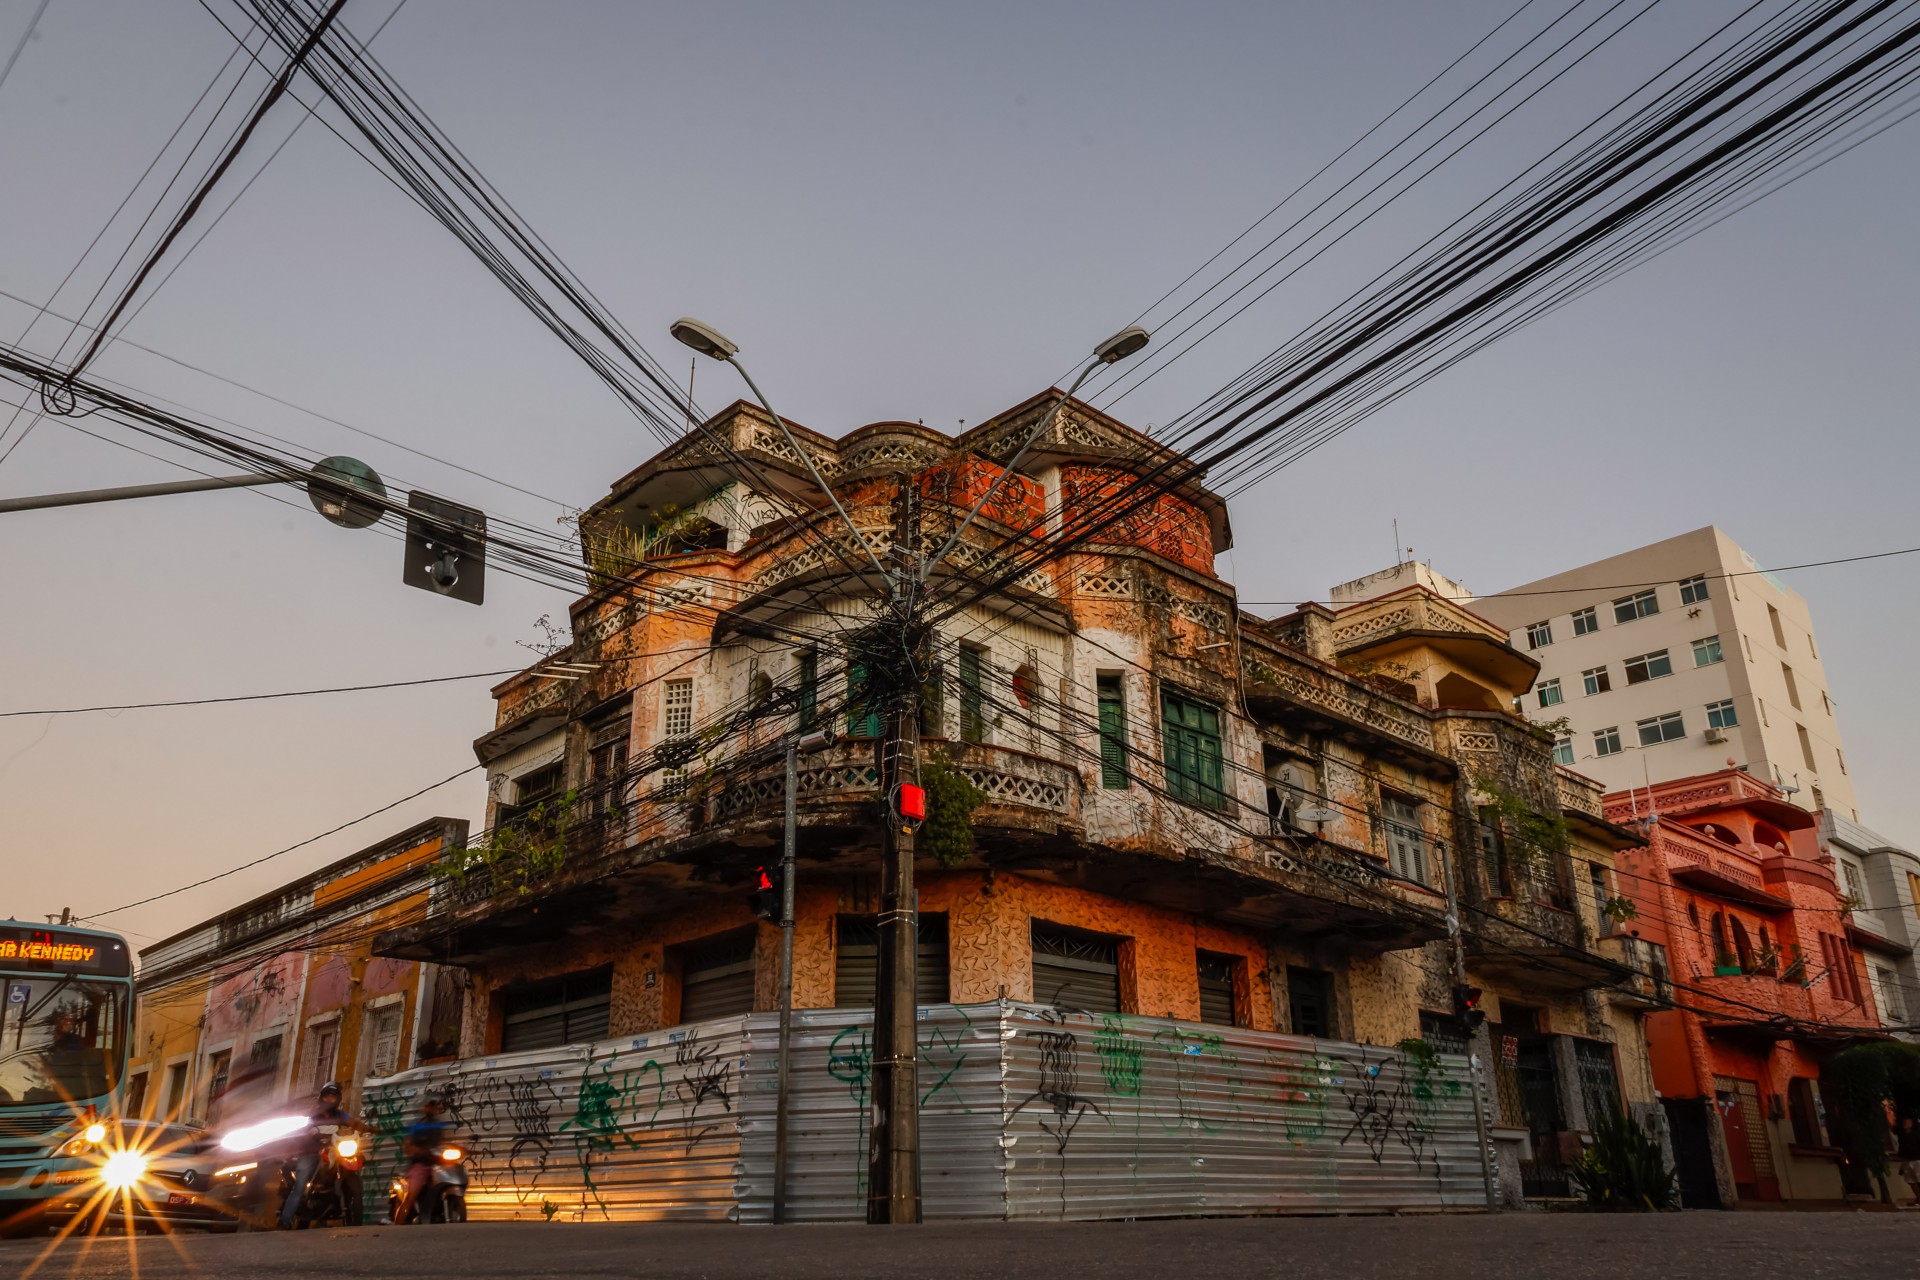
[947, 834]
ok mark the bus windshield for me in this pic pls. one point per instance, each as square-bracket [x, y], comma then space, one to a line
[61, 1038]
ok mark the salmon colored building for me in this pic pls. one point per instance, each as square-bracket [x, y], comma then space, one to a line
[1747, 935]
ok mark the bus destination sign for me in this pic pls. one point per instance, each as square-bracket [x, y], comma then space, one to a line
[63, 950]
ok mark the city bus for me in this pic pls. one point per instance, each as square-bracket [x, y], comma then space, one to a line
[66, 1020]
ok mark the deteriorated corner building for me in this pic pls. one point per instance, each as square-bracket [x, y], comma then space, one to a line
[1185, 812]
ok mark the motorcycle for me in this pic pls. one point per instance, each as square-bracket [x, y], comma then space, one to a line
[444, 1199]
[333, 1195]
[266, 1156]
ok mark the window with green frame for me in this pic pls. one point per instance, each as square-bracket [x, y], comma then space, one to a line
[1190, 731]
[863, 717]
[808, 679]
[973, 721]
[1113, 732]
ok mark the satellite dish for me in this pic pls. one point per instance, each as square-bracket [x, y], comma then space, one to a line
[333, 486]
[1314, 813]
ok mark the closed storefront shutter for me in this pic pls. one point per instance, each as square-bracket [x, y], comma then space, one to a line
[1074, 969]
[856, 961]
[1216, 988]
[716, 977]
[569, 1010]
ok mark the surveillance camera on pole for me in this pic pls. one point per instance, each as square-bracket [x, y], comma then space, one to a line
[446, 548]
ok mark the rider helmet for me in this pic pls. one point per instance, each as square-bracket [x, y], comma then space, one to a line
[332, 1087]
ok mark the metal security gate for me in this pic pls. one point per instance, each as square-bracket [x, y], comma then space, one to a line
[1027, 1112]
[857, 954]
[1074, 969]
[1216, 989]
[716, 978]
[569, 1010]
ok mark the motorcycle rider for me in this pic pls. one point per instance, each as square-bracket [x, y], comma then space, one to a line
[425, 1138]
[309, 1143]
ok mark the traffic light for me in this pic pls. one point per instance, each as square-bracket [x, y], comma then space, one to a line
[765, 898]
[1466, 1007]
[446, 547]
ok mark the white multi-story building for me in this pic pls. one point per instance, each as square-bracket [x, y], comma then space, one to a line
[1673, 659]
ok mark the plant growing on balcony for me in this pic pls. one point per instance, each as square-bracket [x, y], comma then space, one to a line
[1624, 1169]
[1620, 909]
[519, 852]
[1533, 834]
[1726, 965]
[947, 833]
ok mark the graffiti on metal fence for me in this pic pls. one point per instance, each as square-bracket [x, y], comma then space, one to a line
[1059, 1088]
[705, 1088]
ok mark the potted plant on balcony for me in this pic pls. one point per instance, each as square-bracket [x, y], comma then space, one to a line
[1726, 965]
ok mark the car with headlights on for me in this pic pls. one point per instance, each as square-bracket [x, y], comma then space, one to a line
[146, 1172]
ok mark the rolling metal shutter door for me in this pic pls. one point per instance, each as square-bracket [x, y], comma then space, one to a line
[569, 1010]
[1216, 990]
[716, 980]
[856, 961]
[1075, 970]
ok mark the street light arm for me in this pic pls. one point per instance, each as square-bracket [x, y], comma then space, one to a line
[1045, 424]
[808, 460]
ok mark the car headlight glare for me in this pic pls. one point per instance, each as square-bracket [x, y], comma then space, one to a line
[234, 1169]
[123, 1169]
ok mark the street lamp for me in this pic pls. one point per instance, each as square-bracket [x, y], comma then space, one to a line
[1112, 351]
[818, 740]
[710, 342]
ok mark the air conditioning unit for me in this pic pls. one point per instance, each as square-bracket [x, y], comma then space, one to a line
[1716, 735]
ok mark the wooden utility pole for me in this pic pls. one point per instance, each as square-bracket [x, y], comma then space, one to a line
[893, 1148]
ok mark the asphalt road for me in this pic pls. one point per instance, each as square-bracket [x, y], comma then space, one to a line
[1534, 1246]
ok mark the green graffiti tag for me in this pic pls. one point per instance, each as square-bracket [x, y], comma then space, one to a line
[1121, 1056]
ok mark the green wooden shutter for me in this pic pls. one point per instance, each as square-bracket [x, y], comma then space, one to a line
[1194, 764]
[973, 725]
[863, 718]
[1113, 732]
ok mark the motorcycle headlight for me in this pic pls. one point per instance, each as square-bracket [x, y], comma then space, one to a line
[451, 1155]
[348, 1147]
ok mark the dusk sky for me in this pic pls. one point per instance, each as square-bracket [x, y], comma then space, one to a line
[898, 211]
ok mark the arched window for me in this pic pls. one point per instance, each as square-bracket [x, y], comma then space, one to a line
[1723, 956]
[1742, 946]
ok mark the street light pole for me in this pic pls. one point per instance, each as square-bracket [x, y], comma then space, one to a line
[814, 741]
[80, 497]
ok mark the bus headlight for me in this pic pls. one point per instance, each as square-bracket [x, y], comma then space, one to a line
[95, 1133]
[123, 1169]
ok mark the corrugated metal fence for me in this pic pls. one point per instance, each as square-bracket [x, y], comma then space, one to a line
[1026, 1112]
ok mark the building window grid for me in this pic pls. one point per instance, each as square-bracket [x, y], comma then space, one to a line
[1606, 742]
[1658, 729]
[1563, 750]
[1539, 635]
[1648, 666]
[1721, 715]
[1596, 680]
[1585, 621]
[1549, 692]
[1641, 604]
[1706, 651]
[1694, 590]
